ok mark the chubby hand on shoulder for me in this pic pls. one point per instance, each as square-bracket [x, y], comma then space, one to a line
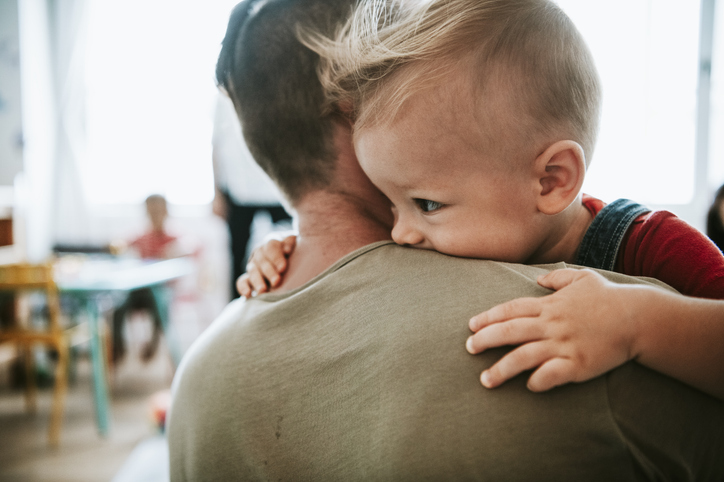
[577, 333]
[266, 266]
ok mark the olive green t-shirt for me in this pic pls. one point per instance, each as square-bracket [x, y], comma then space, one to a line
[362, 374]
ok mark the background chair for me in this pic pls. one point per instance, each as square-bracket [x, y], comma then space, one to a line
[21, 278]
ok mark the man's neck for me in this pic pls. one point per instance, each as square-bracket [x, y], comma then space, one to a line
[331, 225]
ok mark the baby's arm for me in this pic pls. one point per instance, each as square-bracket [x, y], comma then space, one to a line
[591, 325]
[265, 267]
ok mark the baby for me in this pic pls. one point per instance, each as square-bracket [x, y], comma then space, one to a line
[477, 119]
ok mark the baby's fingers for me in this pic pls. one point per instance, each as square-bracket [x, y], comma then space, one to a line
[554, 372]
[518, 308]
[511, 332]
[273, 253]
[257, 281]
[266, 270]
[244, 287]
[560, 278]
[289, 243]
[523, 358]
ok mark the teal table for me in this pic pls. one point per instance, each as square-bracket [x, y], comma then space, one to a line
[89, 280]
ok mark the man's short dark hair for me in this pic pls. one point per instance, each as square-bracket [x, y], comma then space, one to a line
[272, 80]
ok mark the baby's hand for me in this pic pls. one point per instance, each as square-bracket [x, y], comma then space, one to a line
[265, 267]
[581, 331]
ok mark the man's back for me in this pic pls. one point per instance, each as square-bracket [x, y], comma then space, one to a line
[363, 375]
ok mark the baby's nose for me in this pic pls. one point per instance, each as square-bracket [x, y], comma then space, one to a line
[403, 233]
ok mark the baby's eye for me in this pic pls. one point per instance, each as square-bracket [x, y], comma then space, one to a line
[427, 206]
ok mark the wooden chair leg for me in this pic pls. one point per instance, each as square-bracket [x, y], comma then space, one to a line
[31, 391]
[59, 392]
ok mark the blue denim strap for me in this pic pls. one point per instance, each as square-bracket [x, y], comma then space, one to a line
[602, 240]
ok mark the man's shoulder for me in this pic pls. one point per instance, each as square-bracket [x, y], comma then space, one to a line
[204, 351]
[399, 261]
[392, 264]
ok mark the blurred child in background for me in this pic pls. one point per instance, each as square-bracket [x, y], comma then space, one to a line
[156, 243]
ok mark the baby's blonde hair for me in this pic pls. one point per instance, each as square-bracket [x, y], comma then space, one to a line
[390, 49]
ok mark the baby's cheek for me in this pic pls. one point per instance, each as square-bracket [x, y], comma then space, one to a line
[459, 245]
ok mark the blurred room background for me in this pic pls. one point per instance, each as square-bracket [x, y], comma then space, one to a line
[104, 103]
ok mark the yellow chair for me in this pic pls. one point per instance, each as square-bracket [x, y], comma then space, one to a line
[20, 278]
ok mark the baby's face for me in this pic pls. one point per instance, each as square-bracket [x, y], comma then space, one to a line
[449, 191]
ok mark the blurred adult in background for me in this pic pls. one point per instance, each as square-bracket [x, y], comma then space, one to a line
[241, 187]
[715, 220]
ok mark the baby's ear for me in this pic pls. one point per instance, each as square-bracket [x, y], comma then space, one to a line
[560, 170]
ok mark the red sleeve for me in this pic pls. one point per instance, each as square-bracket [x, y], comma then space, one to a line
[660, 245]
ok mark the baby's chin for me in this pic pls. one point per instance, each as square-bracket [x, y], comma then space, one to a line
[470, 253]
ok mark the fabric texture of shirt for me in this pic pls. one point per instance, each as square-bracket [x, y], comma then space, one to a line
[362, 374]
[660, 245]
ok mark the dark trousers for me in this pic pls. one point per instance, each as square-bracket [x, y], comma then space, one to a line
[140, 299]
[240, 218]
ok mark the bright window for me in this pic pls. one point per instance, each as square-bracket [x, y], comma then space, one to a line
[646, 52]
[150, 99]
[716, 130]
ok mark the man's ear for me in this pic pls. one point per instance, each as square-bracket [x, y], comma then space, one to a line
[560, 170]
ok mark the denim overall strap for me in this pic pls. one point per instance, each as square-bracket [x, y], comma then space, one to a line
[602, 240]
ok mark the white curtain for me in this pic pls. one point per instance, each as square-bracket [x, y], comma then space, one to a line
[33, 189]
[50, 203]
[71, 219]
